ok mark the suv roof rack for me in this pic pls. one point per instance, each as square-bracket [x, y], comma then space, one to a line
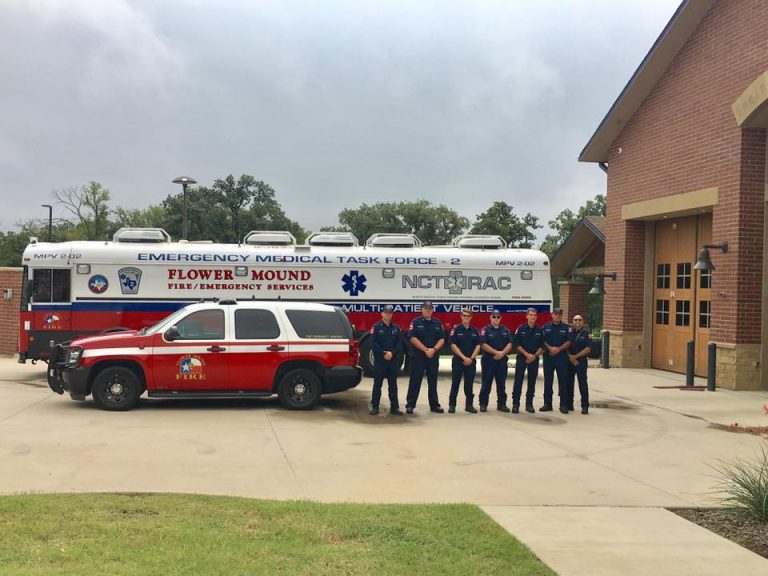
[269, 238]
[332, 239]
[393, 240]
[141, 235]
[479, 241]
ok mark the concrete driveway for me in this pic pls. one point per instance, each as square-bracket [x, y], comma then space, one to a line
[645, 445]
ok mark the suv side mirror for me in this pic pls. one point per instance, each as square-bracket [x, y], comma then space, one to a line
[172, 334]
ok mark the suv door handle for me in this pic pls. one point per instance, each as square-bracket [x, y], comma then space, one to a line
[275, 348]
[216, 349]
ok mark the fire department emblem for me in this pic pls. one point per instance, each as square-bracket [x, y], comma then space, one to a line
[190, 368]
[98, 284]
[51, 322]
[130, 278]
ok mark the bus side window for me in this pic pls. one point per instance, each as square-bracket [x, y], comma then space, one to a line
[41, 285]
[61, 282]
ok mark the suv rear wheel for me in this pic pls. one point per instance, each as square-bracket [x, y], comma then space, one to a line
[116, 388]
[299, 389]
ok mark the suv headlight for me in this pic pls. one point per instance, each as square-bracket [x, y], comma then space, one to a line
[74, 354]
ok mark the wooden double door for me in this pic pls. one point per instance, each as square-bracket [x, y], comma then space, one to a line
[681, 296]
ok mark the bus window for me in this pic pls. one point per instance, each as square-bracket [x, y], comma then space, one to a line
[41, 289]
[60, 291]
[26, 288]
[50, 285]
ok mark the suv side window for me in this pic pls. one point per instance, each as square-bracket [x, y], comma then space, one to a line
[255, 325]
[202, 325]
[320, 324]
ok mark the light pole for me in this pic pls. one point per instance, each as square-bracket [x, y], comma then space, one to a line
[50, 219]
[185, 181]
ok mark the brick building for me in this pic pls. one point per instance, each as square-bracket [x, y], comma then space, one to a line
[685, 149]
[10, 289]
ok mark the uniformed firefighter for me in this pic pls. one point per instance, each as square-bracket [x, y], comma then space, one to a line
[581, 345]
[387, 345]
[528, 341]
[496, 344]
[426, 337]
[465, 344]
[555, 356]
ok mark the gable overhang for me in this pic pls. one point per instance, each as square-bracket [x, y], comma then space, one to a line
[674, 36]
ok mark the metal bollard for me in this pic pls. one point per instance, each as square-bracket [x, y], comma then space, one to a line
[605, 351]
[711, 365]
[689, 363]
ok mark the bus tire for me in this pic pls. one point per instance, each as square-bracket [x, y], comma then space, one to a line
[299, 389]
[366, 357]
[116, 388]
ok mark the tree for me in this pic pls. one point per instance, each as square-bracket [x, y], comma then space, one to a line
[89, 208]
[431, 224]
[501, 220]
[565, 222]
[152, 217]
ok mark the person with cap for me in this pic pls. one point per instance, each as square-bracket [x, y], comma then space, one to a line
[496, 344]
[426, 337]
[465, 344]
[386, 343]
[581, 344]
[556, 343]
[528, 342]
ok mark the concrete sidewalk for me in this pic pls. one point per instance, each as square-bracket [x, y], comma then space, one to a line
[586, 493]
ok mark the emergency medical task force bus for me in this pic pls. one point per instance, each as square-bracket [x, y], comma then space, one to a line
[80, 288]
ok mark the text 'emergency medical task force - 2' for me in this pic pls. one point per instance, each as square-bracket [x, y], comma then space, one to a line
[564, 350]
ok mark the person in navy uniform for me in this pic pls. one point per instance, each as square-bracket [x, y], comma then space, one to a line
[465, 344]
[528, 341]
[496, 344]
[426, 337]
[581, 344]
[386, 344]
[556, 344]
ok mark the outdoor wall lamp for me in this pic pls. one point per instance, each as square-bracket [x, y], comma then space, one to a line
[597, 288]
[703, 262]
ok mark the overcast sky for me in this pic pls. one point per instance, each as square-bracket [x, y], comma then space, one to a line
[331, 102]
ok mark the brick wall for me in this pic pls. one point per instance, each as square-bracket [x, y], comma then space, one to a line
[683, 138]
[10, 278]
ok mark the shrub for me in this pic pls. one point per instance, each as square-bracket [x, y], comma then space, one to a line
[745, 485]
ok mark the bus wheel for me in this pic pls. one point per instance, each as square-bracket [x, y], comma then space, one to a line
[366, 357]
[116, 388]
[299, 389]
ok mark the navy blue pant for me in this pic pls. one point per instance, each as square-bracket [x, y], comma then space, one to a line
[420, 364]
[579, 372]
[556, 365]
[520, 369]
[493, 370]
[459, 371]
[385, 369]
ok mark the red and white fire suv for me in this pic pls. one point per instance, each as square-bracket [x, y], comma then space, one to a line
[223, 349]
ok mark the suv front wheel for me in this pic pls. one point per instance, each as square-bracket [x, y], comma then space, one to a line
[299, 389]
[116, 388]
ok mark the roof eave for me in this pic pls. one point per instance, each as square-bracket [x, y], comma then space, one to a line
[674, 36]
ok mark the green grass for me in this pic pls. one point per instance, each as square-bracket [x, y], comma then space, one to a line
[745, 485]
[101, 534]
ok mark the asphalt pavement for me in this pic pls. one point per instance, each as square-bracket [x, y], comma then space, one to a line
[587, 493]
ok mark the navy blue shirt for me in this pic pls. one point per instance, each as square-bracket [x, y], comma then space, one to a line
[579, 340]
[429, 332]
[531, 339]
[466, 339]
[496, 338]
[556, 334]
[385, 339]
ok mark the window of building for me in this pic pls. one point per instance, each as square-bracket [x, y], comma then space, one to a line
[705, 279]
[683, 275]
[705, 313]
[683, 313]
[662, 275]
[662, 311]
